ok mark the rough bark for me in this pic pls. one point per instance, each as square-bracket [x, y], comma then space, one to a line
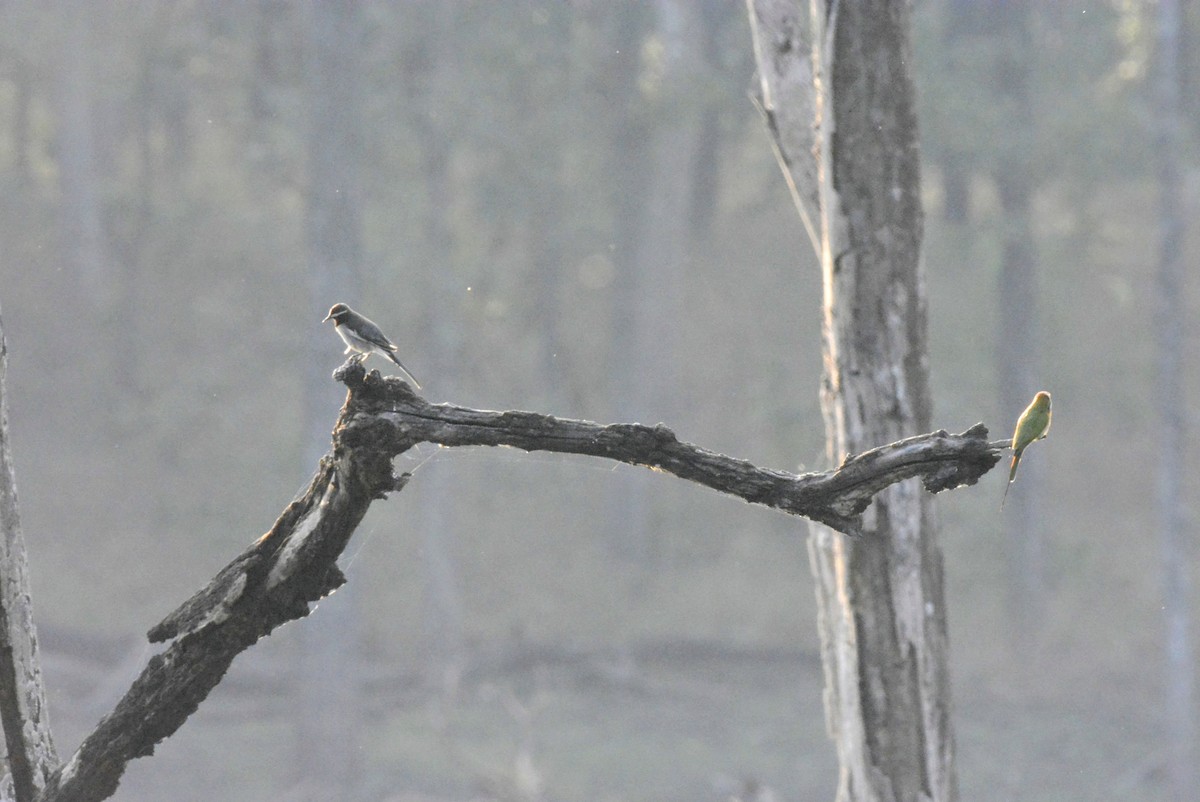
[271, 583]
[881, 597]
[1169, 320]
[295, 563]
[23, 712]
[779, 33]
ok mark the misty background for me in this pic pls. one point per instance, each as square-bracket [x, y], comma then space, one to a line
[571, 208]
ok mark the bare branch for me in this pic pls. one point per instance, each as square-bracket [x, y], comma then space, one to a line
[835, 497]
[295, 563]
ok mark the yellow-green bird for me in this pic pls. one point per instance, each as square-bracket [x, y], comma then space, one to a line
[1032, 425]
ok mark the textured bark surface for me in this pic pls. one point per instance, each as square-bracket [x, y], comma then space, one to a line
[23, 711]
[779, 33]
[295, 563]
[881, 596]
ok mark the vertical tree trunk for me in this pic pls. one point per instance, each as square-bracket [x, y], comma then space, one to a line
[443, 606]
[956, 178]
[546, 223]
[706, 158]
[1017, 338]
[1180, 660]
[630, 167]
[32, 757]
[880, 596]
[661, 256]
[82, 224]
[650, 295]
[956, 189]
[443, 617]
[22, 122]
[329, 714]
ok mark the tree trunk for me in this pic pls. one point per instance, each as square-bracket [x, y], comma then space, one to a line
[880, 596]
[32, 757]
[90, 297]
[956, 176]
[1017, 336]
[626, 518]
[22, 122]
[83, 228]
[652, 272]
[443, 616]
[1180, 660]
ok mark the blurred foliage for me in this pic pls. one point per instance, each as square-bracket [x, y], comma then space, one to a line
[156, 419]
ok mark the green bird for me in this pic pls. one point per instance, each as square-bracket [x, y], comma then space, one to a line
[1033, 424]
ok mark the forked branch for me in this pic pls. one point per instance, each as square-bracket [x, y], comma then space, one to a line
[295, 563]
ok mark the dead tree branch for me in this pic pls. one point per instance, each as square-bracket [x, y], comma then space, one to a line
[295, 563]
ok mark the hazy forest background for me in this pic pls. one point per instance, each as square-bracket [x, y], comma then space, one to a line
[569, 207]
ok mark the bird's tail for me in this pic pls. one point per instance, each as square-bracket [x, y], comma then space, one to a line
[408, 372]
[1012, 475]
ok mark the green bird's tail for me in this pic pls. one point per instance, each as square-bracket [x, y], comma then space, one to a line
[1012, 476]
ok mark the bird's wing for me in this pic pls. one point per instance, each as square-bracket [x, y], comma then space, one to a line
[374, 335]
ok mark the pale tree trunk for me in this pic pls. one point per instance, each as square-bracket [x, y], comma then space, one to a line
[546, 222]
[649, 289]
[705, 169]
[31, 754]
[83, 230]
[328, 712]
[880, 596]
[443, 616]
[956, 175]
[1008, 26]
[22, 122]
[630, 167]
[1180, 659]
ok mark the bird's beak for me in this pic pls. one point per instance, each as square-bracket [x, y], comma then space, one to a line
[327, 317]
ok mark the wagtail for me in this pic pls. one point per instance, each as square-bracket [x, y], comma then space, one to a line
[363, 337]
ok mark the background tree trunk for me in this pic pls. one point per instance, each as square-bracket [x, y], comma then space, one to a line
[32, 757]
[1017, 367]
[329, 715]
[83, 226]
[956, 177]
[630, 161]
[443, 613]
[881, 596]
[1180, 660]
[651, 269]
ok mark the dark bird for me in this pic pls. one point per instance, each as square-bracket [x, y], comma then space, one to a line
[363, 338]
